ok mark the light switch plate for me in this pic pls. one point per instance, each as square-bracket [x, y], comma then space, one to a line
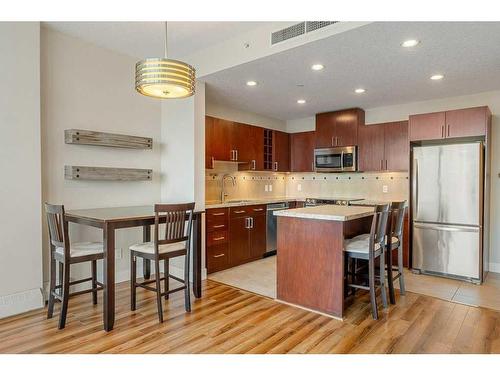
[385, 189]
[118, 253]
[299, 187]
[271, 187]
[266, 187]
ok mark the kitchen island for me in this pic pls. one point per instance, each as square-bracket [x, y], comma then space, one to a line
[310, 260]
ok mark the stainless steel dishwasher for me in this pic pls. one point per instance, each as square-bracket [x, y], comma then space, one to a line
[271, 245]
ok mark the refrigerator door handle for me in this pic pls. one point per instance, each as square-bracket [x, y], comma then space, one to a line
[448, 228]
[415, 188]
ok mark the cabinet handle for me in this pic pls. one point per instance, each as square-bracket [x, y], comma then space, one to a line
[236, 153]
[219, 238]
[253, 165]
[312, 166]
[442, 131]
[247, 223]
[385, 164]
[219, 226]
[336, 141]
[275, 165]
[251, 222]
[219, 255]
[448, 130]
[218, 214]
[213, 160]
[381, 164]
[240, 212]
[258, 209]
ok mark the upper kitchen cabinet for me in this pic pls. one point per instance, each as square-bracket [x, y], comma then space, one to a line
[249, 146]
[281, 151]
[302, 151]
[219, 140]
[383, 147]
[469, 122]
[339, 128]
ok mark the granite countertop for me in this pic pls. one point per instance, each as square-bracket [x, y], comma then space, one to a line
[328, 212]
[249, 202]
[369, 202]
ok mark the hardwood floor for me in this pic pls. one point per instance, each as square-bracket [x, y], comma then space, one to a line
[228, 320]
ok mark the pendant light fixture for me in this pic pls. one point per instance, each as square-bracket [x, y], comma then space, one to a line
[164, 78]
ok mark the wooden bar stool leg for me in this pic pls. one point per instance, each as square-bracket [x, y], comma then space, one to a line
[65, 296]
[371, 282]
[93, 266]
[133, 280]
[158, 290]
[402, 290]
[383, 292]
[52, 288]
[390, 279]
[166, 273]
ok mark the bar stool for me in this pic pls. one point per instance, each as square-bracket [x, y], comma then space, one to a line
[65, 254]
[369, 247]
[176, 242]
[395, 241]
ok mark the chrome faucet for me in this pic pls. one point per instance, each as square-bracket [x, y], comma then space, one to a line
[223, 193]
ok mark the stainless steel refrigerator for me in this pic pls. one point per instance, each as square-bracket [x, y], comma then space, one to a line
[447, 209]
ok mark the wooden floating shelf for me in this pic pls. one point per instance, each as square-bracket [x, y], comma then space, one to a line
[74, 172]
[89, 137]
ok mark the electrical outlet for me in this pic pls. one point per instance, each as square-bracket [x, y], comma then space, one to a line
[266, 188]
[118, 253]
[271, 187]
[385, 189]
[299, 187]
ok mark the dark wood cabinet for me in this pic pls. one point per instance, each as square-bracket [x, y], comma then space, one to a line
[371, 148]
[220, 139]
[383, 147]
[249, 146]
[396, 146]
[339, 128]
[281, 151]
[302, 151]
[239, 241]
[468, 122]
[258, 235]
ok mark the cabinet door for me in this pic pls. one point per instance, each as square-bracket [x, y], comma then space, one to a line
[250, 146]
[371, 148]
[396, 146]
[302, 151]
[468, 122]
[427, 126]
[346, 126]
[221, 139]
[239, 241]
[209, 136]
[258, 236]
[325, 128]
[281, 151]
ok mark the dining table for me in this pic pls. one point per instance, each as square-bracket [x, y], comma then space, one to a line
[110, 219]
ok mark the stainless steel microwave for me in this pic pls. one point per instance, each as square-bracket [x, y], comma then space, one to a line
[336, 159]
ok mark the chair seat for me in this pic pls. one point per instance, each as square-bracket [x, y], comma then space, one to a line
[79, 249]
[149, 248]
[359, 244]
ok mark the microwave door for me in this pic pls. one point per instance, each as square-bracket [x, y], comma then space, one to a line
[328, 162]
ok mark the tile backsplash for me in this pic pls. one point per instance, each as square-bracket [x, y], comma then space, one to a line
[256, 185]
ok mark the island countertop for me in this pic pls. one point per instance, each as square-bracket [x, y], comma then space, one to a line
[328, 212]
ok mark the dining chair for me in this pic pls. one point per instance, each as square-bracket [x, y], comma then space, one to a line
[64, 254]
[174, 242]
[369, 247]
[395, 241]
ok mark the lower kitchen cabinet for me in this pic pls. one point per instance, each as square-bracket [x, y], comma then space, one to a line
[235, 236]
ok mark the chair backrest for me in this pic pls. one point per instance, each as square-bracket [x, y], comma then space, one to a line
[58, 227]
[174, 218]
[379, 225]
[397, 218]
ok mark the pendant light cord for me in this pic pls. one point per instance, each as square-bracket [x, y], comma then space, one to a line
[166, 38]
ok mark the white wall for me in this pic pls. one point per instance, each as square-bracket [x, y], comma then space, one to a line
[88, 87]
[20, 187]
[233, 114]
[402, 111]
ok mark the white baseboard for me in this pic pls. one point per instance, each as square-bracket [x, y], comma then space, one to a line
[18, 303]
[494, 267]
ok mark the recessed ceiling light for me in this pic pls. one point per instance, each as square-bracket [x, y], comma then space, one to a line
[251, 83]
[301, 101]
[437, 77]
[359, 91]
[410, 43]
[317, 67]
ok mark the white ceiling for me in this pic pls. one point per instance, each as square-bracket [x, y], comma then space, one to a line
[468, 54]
[146, 39]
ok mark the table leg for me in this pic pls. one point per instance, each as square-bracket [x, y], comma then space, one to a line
[146, 263]
[197, 256]
[109, 277]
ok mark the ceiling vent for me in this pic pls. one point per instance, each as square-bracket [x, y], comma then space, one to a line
[297, 30]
